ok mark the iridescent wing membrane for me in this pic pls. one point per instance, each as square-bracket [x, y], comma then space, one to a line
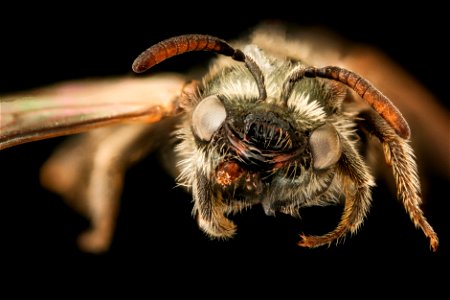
[78, 106]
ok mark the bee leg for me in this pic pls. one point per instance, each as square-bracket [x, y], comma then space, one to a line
[357, 182]
[209, 210]
[399, 155]
[89, 171]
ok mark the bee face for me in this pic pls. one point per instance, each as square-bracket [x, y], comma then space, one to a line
[253, 151]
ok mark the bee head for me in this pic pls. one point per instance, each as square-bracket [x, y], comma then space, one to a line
[263, 119]
[241, 139]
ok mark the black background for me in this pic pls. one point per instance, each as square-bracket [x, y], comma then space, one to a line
[156, 234]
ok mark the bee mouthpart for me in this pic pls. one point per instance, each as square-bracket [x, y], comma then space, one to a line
[254, 155]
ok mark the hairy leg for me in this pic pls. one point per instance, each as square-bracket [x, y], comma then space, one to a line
[357, 182]
[399, 155]
[88, 172]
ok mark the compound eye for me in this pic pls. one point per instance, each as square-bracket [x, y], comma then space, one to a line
[325, 146]
[207, 117]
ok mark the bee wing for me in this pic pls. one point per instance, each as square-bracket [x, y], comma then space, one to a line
[77, 106]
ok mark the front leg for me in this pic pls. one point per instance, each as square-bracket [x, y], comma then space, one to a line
[357, 182]
[104, 185]
[210, 209]
[89, 172]
[399, 155]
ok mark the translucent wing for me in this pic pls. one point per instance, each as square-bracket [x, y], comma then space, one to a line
[73, 107]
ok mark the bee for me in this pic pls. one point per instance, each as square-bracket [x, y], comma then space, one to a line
[273, 123]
